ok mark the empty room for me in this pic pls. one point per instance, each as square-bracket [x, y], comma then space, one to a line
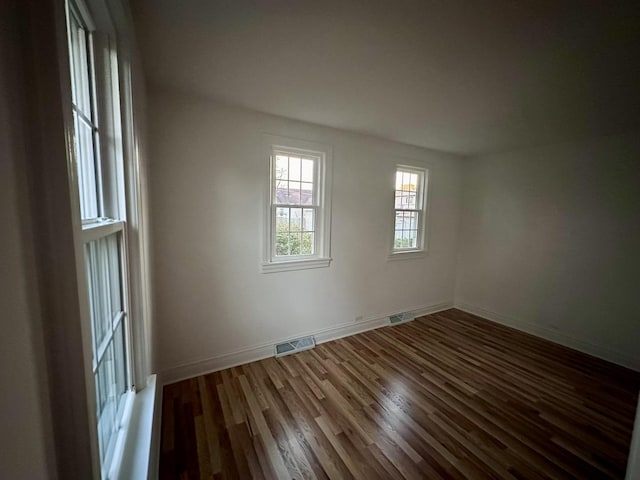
[295, 239]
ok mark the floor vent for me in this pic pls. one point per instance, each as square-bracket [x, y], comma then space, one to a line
[297, 345]
[401, 318]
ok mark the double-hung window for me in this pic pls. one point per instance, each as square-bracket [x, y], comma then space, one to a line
[299, 206]
[100, 184]
[410, 202]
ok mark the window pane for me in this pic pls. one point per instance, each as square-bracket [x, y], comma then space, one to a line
[307, 170]
[281, 191]
[79, 65]
[282, 243]
[405, 181]
[282, 219]
[397, 241]
[120, 352]
[295, 224]
[399, 200]
[106, 402]
[114, 276]
[413, 238]
[410, 220]
[306, 193]
[294, 243]
[404, 199]
[282, 231]
[308, 224]
[406, 221]
[73, 55]
[411, 200]
[282, 167]
[413, 182]
[294, 193]
[86, 168]
[398, 180]
[86, 137]
[306, 246]
[104, 282]
[399, 221]
[294, 168]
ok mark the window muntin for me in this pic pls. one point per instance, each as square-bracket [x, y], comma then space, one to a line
[409, 209]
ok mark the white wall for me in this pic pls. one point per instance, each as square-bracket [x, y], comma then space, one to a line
[208, 177]
[549, 243]
[24, 448]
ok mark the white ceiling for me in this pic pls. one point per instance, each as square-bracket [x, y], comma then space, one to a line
[464, 76]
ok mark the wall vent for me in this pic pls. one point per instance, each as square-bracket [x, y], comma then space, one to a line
[401, 317]
[294, 346]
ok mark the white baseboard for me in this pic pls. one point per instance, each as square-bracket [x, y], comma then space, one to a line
[554, 336]
[265, 350]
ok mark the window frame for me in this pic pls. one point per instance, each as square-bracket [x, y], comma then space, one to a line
[422, 208]
[322, 155]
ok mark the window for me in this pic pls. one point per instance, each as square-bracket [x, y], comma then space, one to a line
[299, 212]
[409, 210]
[100, 184]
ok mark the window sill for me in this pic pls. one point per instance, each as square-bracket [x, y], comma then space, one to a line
[137, 455]
[407, 255]
[287, 266]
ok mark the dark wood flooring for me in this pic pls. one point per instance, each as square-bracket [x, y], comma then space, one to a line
[448, 395]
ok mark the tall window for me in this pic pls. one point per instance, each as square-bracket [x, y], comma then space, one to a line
[410, 207]
[98, 156]
[298, 227]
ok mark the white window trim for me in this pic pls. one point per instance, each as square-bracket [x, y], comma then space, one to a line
[423, 230]
[322, 257]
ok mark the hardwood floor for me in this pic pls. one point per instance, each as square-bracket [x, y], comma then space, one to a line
[448, 395]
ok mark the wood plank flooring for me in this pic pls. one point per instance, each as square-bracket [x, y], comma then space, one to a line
[448, 395]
